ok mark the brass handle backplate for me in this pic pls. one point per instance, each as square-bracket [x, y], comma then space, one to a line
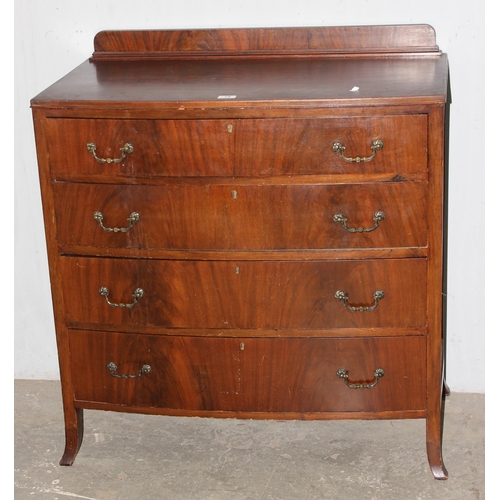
[377, 295]
[338, 147]
[126, 149]
[132, 219]
[342, 219]
[112, 369]
[379, 372]
[138, 293]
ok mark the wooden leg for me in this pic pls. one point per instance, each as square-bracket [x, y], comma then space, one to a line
[446, 389]
[436, 461]
[74, 435]
[434, 439]
[434, 434]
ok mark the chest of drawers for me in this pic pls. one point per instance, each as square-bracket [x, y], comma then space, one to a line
[249, 223]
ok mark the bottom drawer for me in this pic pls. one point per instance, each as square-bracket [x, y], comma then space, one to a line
[248, 374]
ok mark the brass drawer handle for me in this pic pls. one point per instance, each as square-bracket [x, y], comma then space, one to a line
[377, 295]
[112, 369]
[138, 293]
[132, 219]
[379, 372]
[342, 219]
[126, 149]
[377, 145]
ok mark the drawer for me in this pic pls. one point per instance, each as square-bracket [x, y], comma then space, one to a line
[305, 146]
[242, 147]
[248, 374]
[244, 294]
[160, 147]
[242, 217]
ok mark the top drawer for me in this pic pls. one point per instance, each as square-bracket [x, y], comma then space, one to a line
[243, 147]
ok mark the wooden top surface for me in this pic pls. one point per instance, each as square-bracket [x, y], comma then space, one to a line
[168, 71]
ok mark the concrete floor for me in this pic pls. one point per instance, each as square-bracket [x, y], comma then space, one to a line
[141, 457]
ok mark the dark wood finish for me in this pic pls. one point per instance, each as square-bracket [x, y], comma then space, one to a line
[229, 294]
[435, 351]
[262, 375]
[338, 415]
[236, 183]
[193, 148]
[241, 217]
[73, 416]
[266, 41]
[304, 147]
[155, 88]
[350, 332]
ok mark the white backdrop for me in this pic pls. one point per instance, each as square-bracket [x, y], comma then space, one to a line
[53, 36]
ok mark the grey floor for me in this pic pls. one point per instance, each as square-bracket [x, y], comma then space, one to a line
[140, 457]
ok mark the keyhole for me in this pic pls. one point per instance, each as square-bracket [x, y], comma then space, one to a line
[230, 128]
[237, 270]
[234, 194]
[242, 346]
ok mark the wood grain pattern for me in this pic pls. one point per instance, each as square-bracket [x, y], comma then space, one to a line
[298, 147]
[236, 183]
[193, 148]
[240, 217]
[268, 41]
[275, 375]
[229, 294]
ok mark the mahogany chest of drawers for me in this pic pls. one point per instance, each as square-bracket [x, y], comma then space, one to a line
[249, 223]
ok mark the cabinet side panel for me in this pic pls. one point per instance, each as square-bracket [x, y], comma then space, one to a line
[435, 360]
[73, 417]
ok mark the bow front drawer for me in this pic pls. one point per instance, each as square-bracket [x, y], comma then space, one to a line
[248, 374]
[155, 147]
[239, 147]
[241, 217]
[246, 294]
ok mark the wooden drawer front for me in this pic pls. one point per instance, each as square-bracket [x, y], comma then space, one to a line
[304, 146]
[161, 148]
[244, 294]
[241, 374]
[249, 147]
[242, 217]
